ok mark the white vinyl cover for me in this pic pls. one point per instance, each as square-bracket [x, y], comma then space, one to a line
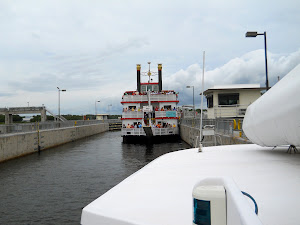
[274, 118]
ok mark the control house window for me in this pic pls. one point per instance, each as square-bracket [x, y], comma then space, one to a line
[228, 99]
[210, 101]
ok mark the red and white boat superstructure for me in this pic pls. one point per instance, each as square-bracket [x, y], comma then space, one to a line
[149, 111]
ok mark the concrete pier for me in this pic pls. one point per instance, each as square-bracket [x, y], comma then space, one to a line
[16, 145]
[9, 112]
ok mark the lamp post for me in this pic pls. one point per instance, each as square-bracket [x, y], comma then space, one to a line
[96, 109]
[193, 99]
[59, 90]
[254, 34]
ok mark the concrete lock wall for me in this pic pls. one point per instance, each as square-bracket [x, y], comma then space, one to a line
[189, 135]
[16, 145]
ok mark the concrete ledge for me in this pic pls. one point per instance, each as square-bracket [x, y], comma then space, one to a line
[16, 145]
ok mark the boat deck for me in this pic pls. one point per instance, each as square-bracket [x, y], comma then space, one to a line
[161, 192]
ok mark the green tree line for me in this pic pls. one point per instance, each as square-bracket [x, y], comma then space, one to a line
[16, 118]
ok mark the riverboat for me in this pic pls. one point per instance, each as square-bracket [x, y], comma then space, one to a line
[249, 184]
[149, 111]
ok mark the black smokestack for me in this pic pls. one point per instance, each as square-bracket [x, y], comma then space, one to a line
[159, 77]
[138, 77]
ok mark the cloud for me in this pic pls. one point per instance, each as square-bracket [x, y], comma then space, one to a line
[91, 48]
[247, 69]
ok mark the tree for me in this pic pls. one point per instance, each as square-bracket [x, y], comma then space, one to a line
[17, 118]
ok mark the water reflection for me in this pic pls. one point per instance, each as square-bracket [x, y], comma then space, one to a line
[53, 187]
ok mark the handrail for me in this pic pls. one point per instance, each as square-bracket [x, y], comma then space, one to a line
[229, 110]
[153, 97]
[63, 119]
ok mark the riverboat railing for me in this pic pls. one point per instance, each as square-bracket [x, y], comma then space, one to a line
[133, 131]
[155, 131]
[165, 131]
[169, 114]
[153, 97]
[158, 114]
[132, 114]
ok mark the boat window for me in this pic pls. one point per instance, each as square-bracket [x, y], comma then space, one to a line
[155, 88]
[228, 99]
[143, 88]
[167, 107]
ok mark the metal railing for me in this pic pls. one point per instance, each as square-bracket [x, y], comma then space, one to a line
[158, 114]
[230, 110]
[30, 127]
[222, 126]
[165, 131]
[133, 131]
[196, 122]
[153, 97]
[133, 114]
[155, 131]
[57, 117]
[166, 114]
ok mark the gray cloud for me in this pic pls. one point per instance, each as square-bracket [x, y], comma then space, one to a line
[249, 68]
[92, 47]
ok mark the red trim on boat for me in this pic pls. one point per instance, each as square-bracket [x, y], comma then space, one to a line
[131, 118]
[148, 83]
[146, 101]
[161, 118]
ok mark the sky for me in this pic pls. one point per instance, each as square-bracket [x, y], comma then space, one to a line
[91, 48]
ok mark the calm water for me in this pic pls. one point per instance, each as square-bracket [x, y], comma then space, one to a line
[53, 187]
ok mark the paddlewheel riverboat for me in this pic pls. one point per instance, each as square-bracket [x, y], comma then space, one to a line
[149, 111]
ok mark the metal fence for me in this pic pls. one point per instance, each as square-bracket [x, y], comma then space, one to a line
[29, 127]
[222, 126]
[196, 122]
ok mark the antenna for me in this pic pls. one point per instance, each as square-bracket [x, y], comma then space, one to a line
[149, 73]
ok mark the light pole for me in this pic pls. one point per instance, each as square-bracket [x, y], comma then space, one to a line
[193, 99]
[59, 90]
[254, 34]
[96, 109]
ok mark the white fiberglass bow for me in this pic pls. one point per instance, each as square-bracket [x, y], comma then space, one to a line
[274, 118]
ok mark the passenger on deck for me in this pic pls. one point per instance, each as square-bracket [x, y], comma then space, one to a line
[162, 109]
[128, 126]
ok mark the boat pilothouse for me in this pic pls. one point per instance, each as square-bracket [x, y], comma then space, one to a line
[149, 111]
